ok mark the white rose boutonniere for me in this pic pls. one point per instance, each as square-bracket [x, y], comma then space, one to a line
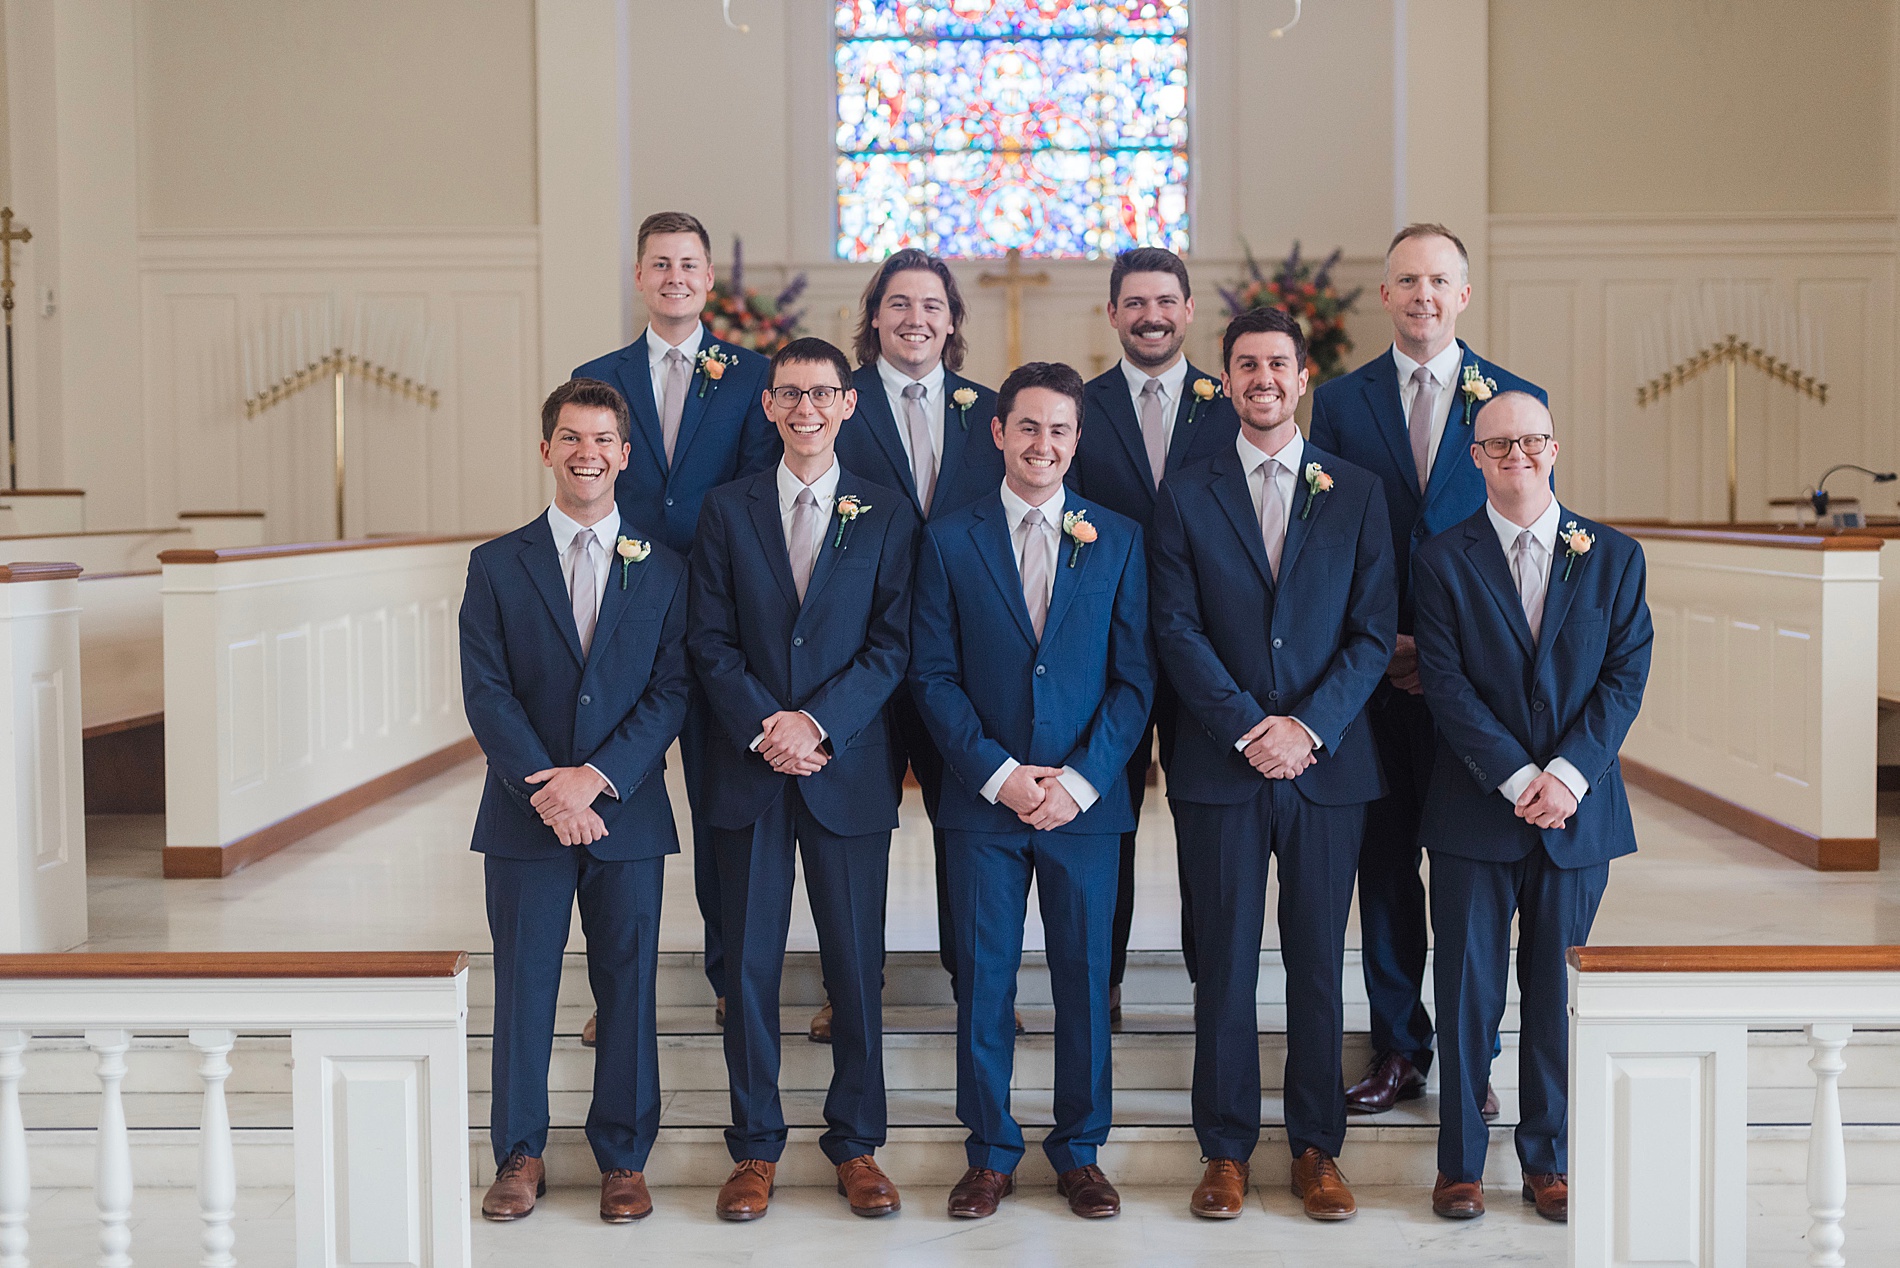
[963, 398]
[631, 551]
[1477, 389]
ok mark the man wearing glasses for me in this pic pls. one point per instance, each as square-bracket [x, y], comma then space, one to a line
[1533, 648]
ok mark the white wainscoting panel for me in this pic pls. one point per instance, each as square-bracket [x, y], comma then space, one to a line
[121, 647]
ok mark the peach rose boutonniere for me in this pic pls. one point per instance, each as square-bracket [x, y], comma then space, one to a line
[1477, 389]
[1204, 391]
[963, 398]
[849, 508]
[631, 551]
[713, 364]
[1079, 531]
[1317, 482]
[1577, 544]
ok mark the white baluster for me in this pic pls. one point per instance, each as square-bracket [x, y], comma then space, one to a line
[1827, 1147]
[217, 1172]
[16, 1189]
[112, 1177]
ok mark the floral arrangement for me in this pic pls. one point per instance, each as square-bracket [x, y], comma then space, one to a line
[1309, 296]
[740, 315]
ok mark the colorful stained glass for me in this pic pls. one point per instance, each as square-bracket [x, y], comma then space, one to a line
[968, 127]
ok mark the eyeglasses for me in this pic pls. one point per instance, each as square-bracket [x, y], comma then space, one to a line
[1500, 446]
[787, 398]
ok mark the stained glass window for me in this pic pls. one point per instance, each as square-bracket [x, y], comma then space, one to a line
[968, 127]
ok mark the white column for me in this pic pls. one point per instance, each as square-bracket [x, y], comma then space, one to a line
[217, 1171]
[1827, 1147]
[112, 1176]
[16, 1188]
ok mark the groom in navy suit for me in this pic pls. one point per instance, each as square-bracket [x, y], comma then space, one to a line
[697, 424]
[1406, 417]
[1031, 664]
[1533, 645]
[1148, 416]
[1274, 610]
[800, 629]
[574, 678]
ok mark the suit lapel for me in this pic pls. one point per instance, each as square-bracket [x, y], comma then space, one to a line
[636, 371]
[1454, 445]
[874, 409]
[1298, 526]
[956, 437]
[1230, 490]
[1481, 544]
[700, 392]
[543, 566]
[828, 554]
[1379, 380]
[1557, 595]
[1190, 414]
[615, 600]
[771, 531]
[1111, 397]
[1062, 592]
[990, 534]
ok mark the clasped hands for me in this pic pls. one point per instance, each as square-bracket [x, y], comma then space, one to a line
[566, 802]
[1547, 802]
[791, 744]
[1037, 796]
[1278, 747]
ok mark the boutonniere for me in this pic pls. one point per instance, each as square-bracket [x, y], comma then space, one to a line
[1317, 482]
[631, 551]
[1079, 531]
[1577, 543]
[849, 508]
[1204, 390]
[1477, 389]
[963, 398]
[713, 364]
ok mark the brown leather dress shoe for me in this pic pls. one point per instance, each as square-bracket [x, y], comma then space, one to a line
[1551, 1193]
[1089, 1193]
[1457, 1199]
[820, 1031]
[978, 1194]
[1222, 1192]
[1020, 1028]
[747, 1190]
[518, 1182]
[1115, 1007]
[719, 1012]
[868, 1190]
[591, 1031]
[1491, 1109]
[624, 1197]
[1321, 1189]
[1390, 1078]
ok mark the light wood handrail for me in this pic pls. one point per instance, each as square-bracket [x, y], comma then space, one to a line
[35, 570]
[1791, 538]
[1759, 959]
[233, 964]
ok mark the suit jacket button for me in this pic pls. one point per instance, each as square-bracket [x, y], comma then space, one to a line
[1039, 670]
[587, 700]
[669, 501]
[798, 642]
[1537, 706]
[1273, 695]
[1276, 643]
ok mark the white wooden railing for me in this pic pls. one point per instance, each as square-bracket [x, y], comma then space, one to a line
[379, 1091]
[1659, 1091]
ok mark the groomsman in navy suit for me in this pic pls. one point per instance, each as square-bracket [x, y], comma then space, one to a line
[925, 429]
[1533, 646]
[1031, 664]
[1147, 417]
[575, 681]
[1406, 417]
[800, 630]
[697, 424]
[1274, 610]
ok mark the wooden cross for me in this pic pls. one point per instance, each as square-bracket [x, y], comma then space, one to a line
[1013, 280]
[8, 236]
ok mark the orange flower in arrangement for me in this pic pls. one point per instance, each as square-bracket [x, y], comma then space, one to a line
[1309, 296]
[742, 316]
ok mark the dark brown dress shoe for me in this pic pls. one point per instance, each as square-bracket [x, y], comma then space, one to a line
[1321, 1189]
[820, 1031]
[1457, 1199]
[747, 1190]
[1390, 1078]
[591, 1031]
[1491, 1109]
[719, 1012]
[1115, 1007]
[518, 1182]
[1222, 1192]
[1551, 1193]
[1089, 1193]
[979, 1193]
[866, 1187]
[1020, 1028]
[624, 1197]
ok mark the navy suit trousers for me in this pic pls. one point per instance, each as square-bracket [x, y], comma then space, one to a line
[1472, 905]
[1225, 850]
[845, 881]
[695, 735]
[1392, 924]
[530, 902]
[1075, 876]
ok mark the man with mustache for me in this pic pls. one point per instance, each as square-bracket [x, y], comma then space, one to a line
[1147, 417]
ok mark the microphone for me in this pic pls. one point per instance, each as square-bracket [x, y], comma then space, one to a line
[1818, 495]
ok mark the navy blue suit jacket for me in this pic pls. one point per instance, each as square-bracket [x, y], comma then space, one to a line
[1360, 417]
[724, 434]
[972, 465]
[533, 702]
[1238, 645]
[1111, 459]
[989, 691]
[1501, 702]
[838, 656]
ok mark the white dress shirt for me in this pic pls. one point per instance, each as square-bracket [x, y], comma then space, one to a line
[657, 348]
[1014, 509]
[1172, 380]
[825, 490]
[1444, 372]
[1253, 460]
[895, 381]
[606, 532]
[1545, 531]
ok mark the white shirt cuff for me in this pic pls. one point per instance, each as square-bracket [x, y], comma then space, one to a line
[994, 787]
[1079, 788]
[1569, 775]
[611, 790]
[1514, 787]
[823, 734]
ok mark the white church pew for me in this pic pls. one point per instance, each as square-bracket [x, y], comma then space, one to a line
[42, 511]
[122, 667]
[1763, 688]
[303, 683]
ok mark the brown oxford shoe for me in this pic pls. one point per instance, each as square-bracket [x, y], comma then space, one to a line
[624, 1197]
[747, 1191]
[1115, 1007]
[979, 1193]
[1457, 1199]
[1551, 1193]
[1390, 1078]
[1321, 1189]
[719, 1012]
[590, 1033]
[1222, 1192]
[1089, 1193]
[518, 1182]
[1491, 1109]
[868, 1190]
[820, 1031]
[1020, 1028]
